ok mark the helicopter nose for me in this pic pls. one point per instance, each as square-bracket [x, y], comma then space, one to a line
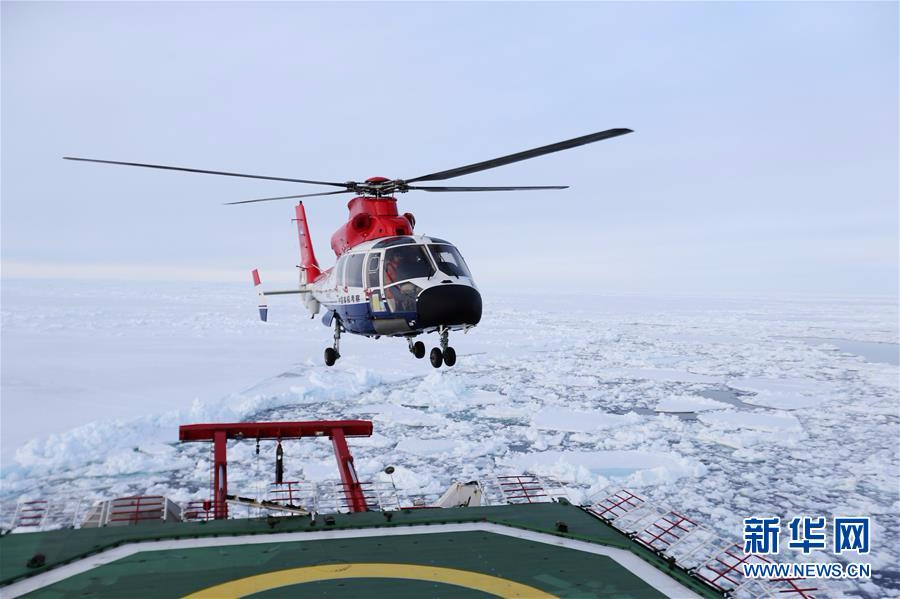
[449, 305]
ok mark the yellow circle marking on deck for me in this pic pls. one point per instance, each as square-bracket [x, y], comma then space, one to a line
[281, 578]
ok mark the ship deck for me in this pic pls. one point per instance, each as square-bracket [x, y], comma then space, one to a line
[531, 550]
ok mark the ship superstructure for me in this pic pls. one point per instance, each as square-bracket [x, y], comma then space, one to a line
[504, 535]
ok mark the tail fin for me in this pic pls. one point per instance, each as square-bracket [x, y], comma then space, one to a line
[263, 305]
[308, 264]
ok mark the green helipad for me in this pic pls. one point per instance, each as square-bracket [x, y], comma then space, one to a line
[510, 551]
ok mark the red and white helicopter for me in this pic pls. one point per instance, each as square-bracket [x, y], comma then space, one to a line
[388, 281]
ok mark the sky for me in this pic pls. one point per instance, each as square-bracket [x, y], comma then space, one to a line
[764, 158]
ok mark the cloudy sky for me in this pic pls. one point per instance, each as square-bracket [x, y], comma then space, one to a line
[764, 158]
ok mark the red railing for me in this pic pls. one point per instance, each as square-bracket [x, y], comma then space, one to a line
[667, 530]
[199, 510]
[793, 587]
[617, 504]
[290, 493]
[31, 513]
[349, 492]
[724, 571]
[524, 488]
[137, 508]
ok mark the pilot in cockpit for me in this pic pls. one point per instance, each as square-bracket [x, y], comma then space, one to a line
[406, 262]
[393, 268]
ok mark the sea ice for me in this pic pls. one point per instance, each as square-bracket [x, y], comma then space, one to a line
[96, 379]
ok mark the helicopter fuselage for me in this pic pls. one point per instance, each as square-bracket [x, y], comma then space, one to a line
[399, 286]
[386, 281]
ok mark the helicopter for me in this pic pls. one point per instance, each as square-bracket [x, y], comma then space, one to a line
[388, 281]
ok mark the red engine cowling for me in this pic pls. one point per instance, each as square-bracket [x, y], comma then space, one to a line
[371, 218]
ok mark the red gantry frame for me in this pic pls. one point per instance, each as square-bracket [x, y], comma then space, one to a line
[336, 430]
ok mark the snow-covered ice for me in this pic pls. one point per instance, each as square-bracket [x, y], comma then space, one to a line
[731, 420]
[590, 391]
[562, 419]
[785, 394]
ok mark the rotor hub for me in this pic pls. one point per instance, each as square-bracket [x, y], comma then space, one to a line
[378, 187]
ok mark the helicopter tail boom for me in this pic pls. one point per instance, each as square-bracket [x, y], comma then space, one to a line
[263, 305]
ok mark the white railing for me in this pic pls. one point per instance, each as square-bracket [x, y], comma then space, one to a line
[34, 515]
[325, 497]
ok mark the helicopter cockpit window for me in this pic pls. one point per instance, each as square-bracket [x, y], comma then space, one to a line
[449, 260]
[406, 262]
[373, 271]
[353, 276]
[402, 297]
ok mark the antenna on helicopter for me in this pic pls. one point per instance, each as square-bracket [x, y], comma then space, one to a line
[380, 186]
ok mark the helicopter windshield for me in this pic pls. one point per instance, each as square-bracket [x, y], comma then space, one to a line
[449, 260]
[406, 262]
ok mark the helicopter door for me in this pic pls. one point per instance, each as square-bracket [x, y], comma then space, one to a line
[373, 282]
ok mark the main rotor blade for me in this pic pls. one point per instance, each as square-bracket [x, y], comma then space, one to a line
[197, 170]
[495, 162]
[304, 195]
[507, 188]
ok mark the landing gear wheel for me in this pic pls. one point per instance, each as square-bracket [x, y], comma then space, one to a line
[331, 356]
[419, 349]
[449, 356]
[333, 353]
[436, 357]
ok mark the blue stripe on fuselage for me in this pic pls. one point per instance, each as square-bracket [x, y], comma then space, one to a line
[356, 318]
